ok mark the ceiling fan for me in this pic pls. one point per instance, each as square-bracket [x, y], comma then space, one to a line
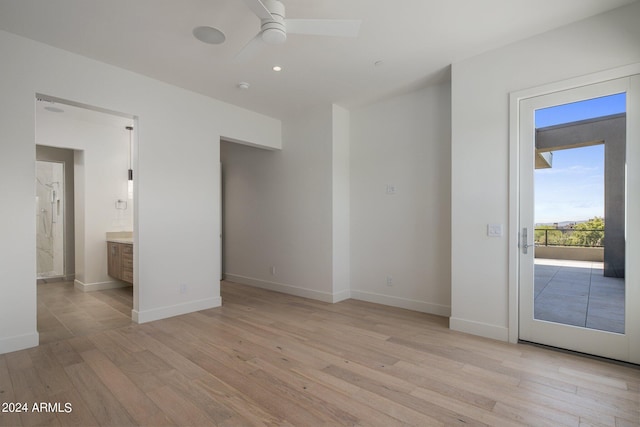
[275, 26]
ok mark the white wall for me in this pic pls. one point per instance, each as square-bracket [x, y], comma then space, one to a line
[480, 149]
[341, 203]
[404, 142]
[105, 164]
[177, 181]
[278, 210]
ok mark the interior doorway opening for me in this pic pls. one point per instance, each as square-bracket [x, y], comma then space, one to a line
[96, 150]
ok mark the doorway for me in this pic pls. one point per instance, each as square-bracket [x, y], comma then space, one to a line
[97, 149]
[574, 285]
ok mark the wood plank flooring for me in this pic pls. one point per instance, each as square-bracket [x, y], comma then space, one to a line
[64, 312]
[265, 358]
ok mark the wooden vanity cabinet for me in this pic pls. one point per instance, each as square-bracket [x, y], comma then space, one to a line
[126, 263]
[120, 261]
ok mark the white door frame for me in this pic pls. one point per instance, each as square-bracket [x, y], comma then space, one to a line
[514, 179]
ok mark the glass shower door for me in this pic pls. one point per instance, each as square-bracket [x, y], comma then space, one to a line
[49, 219]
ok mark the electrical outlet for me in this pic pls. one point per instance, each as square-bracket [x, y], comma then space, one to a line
[391, 189]
[389, 281]
[183, 289]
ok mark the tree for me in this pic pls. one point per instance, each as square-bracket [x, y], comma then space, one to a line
[548, 235]
[589, 233]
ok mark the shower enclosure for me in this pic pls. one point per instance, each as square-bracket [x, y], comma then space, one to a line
[50, 219]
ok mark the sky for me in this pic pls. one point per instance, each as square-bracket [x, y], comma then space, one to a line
[573, 189]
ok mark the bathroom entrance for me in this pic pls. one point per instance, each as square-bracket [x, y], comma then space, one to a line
[83, 159]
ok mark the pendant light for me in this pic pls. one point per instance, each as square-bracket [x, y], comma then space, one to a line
[130, 172]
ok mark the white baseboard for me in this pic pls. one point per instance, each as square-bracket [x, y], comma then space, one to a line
[174, 310]
[288, 289]
[99, 286]
[409, 304]
[486, 330]
[341, 296]
[19, 342]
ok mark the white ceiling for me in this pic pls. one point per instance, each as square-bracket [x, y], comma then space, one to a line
[415, 39]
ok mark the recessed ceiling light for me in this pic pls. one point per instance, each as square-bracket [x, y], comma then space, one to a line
[243, 85]
[209, 35]
[378, 63]
[277, 68]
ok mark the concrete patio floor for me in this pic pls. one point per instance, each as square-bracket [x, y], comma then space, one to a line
[576, 293]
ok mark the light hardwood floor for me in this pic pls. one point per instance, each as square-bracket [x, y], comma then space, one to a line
[265, 358]
[64, 312]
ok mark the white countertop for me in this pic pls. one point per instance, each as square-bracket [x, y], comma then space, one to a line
[120, 237]
[126, 240]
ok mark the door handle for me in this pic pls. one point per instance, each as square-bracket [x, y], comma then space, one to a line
[523, 242]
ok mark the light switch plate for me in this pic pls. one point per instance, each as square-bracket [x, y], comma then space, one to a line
[494, 230]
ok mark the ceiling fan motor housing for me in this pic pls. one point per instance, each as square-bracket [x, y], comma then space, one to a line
[274, 30]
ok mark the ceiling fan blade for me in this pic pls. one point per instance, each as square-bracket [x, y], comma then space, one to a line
[259, 9]
[324, 27]
[250, 49]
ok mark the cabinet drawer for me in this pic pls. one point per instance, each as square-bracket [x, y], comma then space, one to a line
[127, 249]
[127, 262]
[127, 275]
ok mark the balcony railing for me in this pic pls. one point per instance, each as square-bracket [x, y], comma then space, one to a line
[569, 237]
